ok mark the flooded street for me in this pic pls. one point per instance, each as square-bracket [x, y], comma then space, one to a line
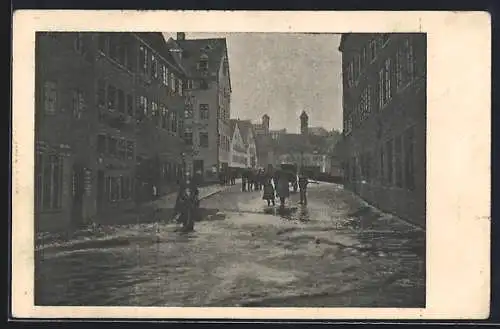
[333, 252]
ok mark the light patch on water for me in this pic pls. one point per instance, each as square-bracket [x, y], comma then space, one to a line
[257, 272]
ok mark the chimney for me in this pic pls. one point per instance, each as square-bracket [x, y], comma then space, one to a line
[181, 36]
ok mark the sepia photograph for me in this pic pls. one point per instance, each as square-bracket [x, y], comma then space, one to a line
[230, 169]
[234, 169]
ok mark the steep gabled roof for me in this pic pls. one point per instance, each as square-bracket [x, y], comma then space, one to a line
[246, 127]
[214, 49]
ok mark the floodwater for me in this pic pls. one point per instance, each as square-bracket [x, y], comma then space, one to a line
[245, 254]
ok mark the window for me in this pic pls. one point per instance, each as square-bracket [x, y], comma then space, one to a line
[143, 104]
[101, 93]
[203, 65]
[111, 97]
[389, 162]
[125, 185]
[172, 82]
[112, 146]
[373, 49]
[78, 105]
[399, 67]
[154, 109]
[179, 88]
[122, 149]
[130, 150]
[130, 105]
[409, 159]
[121, 101]
[188, 111]
[174, 121]
[164, 74]
[203, 139]
[204, 111]
[385, 92]
[190, 84]
[164, 118]
[154, 67]
[350, 74]
[50, 97]
[188, 136]
[363, 56]
[49, 181]
[410, 64]
[101, 144]
[143, 59]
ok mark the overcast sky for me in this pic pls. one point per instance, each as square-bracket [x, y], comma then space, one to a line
[283, 74]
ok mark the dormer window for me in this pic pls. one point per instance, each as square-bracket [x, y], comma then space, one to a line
[203, 63]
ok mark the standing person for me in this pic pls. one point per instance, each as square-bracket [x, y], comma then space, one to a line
[244, 180]
[187, 204]
[283, 188]
[269, 195]
[303, 181]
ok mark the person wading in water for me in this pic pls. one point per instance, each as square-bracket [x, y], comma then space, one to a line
[268, 190]
[187, 204]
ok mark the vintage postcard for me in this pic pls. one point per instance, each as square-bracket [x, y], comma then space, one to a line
[251, 165]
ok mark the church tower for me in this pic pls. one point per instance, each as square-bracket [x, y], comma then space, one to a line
[265, 123]
[304, 123]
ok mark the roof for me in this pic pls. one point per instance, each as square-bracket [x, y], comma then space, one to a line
[245, 127]
[193, 49]
[232, 126]
[156, 41]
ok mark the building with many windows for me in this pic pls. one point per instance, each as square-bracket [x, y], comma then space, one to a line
[208, 94]
[384, 120]
[107, 123]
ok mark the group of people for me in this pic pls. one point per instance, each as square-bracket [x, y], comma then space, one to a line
[278, 186]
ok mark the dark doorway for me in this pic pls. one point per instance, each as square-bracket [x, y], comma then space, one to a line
[198, 166]
[78, 192]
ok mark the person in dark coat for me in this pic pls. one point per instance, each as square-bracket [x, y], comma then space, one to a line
[303, 182]
[269, 195]
[283, 188]
[187, 204]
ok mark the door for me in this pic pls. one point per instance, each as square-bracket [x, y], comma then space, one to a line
[198, 166]
[78, 192]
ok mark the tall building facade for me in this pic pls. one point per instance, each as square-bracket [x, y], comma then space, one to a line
[101, 100]
[384, 120]
[208, 90]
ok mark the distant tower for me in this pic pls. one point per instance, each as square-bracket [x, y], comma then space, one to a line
[265, 123]
[304, 119]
